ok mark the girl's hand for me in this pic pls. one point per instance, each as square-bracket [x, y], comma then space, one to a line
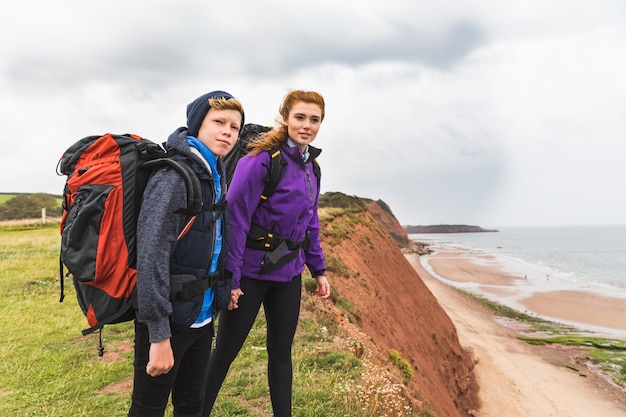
[234, 298]
[323, 287]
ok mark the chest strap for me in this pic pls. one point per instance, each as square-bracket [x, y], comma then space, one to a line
[264, 239]
[184, 287]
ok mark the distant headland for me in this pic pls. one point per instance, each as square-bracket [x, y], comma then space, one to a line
[446, 228]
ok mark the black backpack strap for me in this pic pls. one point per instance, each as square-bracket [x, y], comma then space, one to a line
[129, 310]
[317, 171]
[61, 280]
[274, 173]
[264, 239]
[277, 258]
[185, 287]
[194, 190]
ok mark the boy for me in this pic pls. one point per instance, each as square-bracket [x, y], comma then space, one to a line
[173, 338]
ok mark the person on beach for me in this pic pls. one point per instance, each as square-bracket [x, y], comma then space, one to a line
[173, 339]
[263, 276]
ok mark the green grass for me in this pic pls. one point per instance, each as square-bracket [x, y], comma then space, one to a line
[4, 197]
[49, 369]
[402, 364]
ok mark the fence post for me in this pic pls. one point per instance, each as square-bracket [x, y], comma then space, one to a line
[43, 215]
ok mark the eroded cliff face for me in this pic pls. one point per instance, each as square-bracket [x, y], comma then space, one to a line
[393, 306]
[383, 215]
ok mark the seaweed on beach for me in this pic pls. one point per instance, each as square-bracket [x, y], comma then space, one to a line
[583, 341]
[607, 356]
[536, 323]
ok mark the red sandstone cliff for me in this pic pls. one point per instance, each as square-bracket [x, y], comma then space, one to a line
[395, 308]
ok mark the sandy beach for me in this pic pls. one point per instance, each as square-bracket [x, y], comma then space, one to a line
[599, 313]
[518, 379]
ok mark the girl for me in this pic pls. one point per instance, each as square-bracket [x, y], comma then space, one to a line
[289, 223]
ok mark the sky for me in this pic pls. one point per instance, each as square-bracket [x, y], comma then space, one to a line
[477, 112]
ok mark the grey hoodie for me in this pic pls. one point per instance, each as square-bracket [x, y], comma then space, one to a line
[157, 230]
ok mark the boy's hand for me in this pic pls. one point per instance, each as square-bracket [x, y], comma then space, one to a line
[161, 358]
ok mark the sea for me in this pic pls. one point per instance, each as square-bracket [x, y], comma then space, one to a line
[580, 258]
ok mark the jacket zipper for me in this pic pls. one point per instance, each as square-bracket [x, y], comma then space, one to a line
[308, 177]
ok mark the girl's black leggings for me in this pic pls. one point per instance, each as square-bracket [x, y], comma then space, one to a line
[281, 303]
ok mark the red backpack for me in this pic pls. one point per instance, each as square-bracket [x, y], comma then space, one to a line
[106, 177]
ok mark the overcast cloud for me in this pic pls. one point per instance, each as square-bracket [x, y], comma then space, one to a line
[477, 112]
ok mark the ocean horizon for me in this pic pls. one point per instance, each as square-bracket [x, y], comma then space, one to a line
[570, 258]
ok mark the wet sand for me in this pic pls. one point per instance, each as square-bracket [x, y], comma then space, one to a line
[517, 379]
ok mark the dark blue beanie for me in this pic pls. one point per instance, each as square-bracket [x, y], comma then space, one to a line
[197, 110]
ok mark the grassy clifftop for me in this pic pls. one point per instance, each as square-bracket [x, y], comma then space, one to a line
[380, 346]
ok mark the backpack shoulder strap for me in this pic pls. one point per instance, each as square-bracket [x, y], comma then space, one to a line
[276, 170]
[274, 174]
[192, 182]
[316, 170]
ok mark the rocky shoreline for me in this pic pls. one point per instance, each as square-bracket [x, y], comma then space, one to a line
[446, 228]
